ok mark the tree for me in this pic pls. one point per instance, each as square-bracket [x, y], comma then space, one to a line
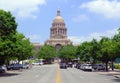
[115, 46]
[8, 24]
[8, 27]
[110, 48]
[95, 51]
[67, 52]
[47, 52]
[12, 43]
[105, 48]
[83, 51]
[23, 47]
[116, 41]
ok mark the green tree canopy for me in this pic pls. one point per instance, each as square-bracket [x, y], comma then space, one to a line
[116, 42]
[8, 24]
[95, 50]
[8, 27]
[83, 51]
[67, 52]
[12, 43]
[23, 47]
[47, 52]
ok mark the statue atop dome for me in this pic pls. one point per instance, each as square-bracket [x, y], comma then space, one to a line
[58, 12]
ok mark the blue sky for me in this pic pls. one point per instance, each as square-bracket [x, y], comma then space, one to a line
[85, 19]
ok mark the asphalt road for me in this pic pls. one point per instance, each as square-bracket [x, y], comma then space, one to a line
[52, 74]
[72, 75]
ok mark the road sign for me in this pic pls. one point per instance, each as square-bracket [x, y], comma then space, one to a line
[117, 60]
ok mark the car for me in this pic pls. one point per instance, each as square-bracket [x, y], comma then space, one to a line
[3, 69]
[82, 66]
[87, 67]
[41, 62]
[70, 64]
[77, 65]
[9, 67]
[63, 65]
[99, 67]
[15, 67]
[26, 66]
[38, 63]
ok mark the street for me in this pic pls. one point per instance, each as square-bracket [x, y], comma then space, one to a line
[52, 74]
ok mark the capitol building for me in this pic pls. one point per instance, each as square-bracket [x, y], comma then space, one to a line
[58, 33]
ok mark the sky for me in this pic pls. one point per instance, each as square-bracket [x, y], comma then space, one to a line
[84, 19]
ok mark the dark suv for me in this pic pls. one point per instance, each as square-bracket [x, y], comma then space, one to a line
[70, 64]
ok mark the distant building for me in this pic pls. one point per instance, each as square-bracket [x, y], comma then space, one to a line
[58, 33]
[36, 46]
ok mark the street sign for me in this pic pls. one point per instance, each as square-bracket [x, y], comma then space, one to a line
[117, 60]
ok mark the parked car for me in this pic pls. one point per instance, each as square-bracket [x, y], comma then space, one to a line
[70, 64]
[37, 63]
[9, 67]
[82, 66]
[41, 62]
[15, 67]
[77, 65]
[25, 66]
[63, 65]
[2, 69]
[87, 67]
[99, 67]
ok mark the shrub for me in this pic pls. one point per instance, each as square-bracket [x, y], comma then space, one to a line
[117, 66]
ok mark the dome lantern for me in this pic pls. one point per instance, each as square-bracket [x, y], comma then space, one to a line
[58, 18]
[58, 12]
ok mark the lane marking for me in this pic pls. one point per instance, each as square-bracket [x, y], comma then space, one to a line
[58, 76]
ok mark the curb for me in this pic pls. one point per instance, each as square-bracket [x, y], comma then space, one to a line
[117, 76]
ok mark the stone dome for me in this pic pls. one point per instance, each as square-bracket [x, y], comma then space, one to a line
[58, 18]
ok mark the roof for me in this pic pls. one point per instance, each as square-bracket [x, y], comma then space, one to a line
[58, 18]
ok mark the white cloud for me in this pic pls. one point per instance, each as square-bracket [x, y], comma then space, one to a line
[78, 40]
[80, 18]
[108, 8]
[23, 8]
[34, 38]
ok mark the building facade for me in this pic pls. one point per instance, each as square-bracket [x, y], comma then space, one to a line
[58, 33]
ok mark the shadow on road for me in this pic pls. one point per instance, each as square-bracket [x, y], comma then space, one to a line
[116, 80]
[8, 74]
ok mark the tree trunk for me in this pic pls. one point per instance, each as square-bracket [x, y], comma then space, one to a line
[112, 66]
[106, 63]
[6, 58]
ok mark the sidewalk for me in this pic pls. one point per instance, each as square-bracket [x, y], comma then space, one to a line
[115, 73]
